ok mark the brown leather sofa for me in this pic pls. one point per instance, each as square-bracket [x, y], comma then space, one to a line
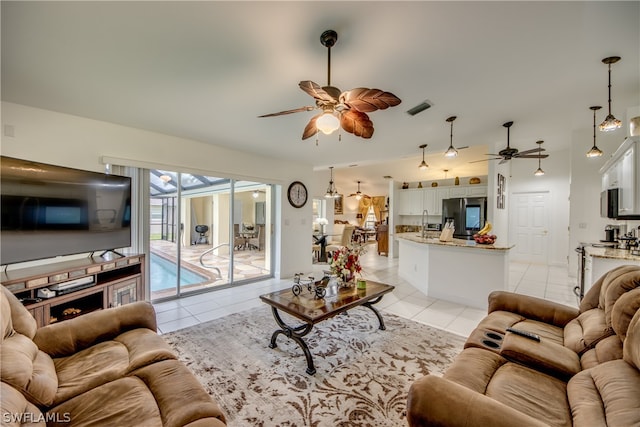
[584, 371]
[104, 368]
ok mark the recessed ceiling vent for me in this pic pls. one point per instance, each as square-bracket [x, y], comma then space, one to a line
[419, 108]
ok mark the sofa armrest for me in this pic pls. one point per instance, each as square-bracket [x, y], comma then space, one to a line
[70, 336]
[544, 356]
[435, 401]
[532, 308]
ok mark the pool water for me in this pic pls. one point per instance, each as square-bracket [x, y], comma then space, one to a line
[163, 274]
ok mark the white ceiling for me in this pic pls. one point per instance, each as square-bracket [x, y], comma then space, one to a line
[206, 70]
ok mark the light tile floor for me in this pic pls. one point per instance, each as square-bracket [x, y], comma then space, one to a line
[549, 282]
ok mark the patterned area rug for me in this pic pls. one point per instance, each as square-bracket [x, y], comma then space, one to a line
[362, 379]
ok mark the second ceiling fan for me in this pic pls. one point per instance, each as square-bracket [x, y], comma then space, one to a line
[509, 153]
[340, 109]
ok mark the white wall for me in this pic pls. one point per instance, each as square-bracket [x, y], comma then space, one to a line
[73, 141]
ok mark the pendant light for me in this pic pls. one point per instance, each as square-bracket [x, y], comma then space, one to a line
[358, 193]
[539, 171]
[423, 165]
[331, 193]
[610, 123]
[595, 151]
[451, 152]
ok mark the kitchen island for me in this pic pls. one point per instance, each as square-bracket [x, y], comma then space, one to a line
[460, 271]
[600, 260]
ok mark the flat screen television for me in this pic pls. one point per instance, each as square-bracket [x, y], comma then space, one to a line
[48, 211]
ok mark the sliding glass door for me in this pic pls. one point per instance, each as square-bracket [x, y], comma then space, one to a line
[206, 232]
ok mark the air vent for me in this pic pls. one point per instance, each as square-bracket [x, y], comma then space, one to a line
[419, 108]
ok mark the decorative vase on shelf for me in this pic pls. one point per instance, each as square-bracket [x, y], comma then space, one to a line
[420, 184]
[457, 181]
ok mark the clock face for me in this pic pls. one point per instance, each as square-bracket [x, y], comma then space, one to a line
[297, 194]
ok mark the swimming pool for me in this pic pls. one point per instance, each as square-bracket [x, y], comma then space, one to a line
[163, 274]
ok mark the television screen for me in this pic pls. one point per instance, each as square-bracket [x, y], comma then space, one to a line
[48, 211]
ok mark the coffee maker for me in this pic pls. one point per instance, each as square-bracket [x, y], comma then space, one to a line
[611, 233]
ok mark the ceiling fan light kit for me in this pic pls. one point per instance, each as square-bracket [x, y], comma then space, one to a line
[594, 151]
[423, 165]
[358, 194]
[610, 123]
[340, 109]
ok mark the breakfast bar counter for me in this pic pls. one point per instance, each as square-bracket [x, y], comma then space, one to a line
[460, 271]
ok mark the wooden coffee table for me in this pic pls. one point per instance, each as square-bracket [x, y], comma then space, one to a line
[312, 310]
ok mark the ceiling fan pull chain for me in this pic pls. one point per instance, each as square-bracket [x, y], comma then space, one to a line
[317, 132]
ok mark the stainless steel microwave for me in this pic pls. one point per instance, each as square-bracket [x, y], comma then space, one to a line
[609, 203]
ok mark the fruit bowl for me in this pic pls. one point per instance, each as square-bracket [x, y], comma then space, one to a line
[485, 239]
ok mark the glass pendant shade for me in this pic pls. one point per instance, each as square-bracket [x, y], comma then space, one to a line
[594, 151]
[327, 123]
[539, 172]
[610, 123]
[451, 152]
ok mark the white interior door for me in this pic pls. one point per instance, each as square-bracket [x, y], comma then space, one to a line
[529, 227]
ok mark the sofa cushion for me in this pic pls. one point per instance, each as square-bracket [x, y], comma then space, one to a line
[608, 349]
[605, 395]
[586, 330]
[22, 364]
[108, 361]
[162, 394]
[533, 393]
[631, 350]
[17, 410]
[623, 311]
[21, 320]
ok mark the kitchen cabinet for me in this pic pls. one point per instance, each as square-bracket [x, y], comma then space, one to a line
[622, 171]
[414, 200]
[410, 201]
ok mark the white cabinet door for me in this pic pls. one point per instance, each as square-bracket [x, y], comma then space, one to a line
[477, 191]
[458, 192]
[429, 200]
[410, 202]
[626, 174]
[441, 194]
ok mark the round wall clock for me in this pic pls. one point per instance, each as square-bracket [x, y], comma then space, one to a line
[297, 194]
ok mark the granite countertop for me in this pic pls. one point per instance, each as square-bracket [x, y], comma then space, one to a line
[433, 240]
[612, 253]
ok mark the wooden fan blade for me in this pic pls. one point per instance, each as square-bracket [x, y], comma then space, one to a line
[485, 160]
[533, 150]
[461, 148]
[532, 156]
[366, 196]
[295, 110]
[311, 128]
[357, 123]
[367, 100]
[316, 91]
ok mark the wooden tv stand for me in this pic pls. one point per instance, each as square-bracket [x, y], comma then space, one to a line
[117, 280]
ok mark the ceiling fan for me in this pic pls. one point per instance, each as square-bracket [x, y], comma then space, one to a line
[340, 109]
[509, 153]
[358, 194]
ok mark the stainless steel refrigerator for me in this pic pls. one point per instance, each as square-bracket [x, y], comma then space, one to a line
[468, 215]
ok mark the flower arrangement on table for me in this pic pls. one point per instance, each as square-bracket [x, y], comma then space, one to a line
[345, 263]
[321, 222]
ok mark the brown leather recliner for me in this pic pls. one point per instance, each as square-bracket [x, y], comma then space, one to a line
[104, 368]
[577, 329]
[482, 388]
